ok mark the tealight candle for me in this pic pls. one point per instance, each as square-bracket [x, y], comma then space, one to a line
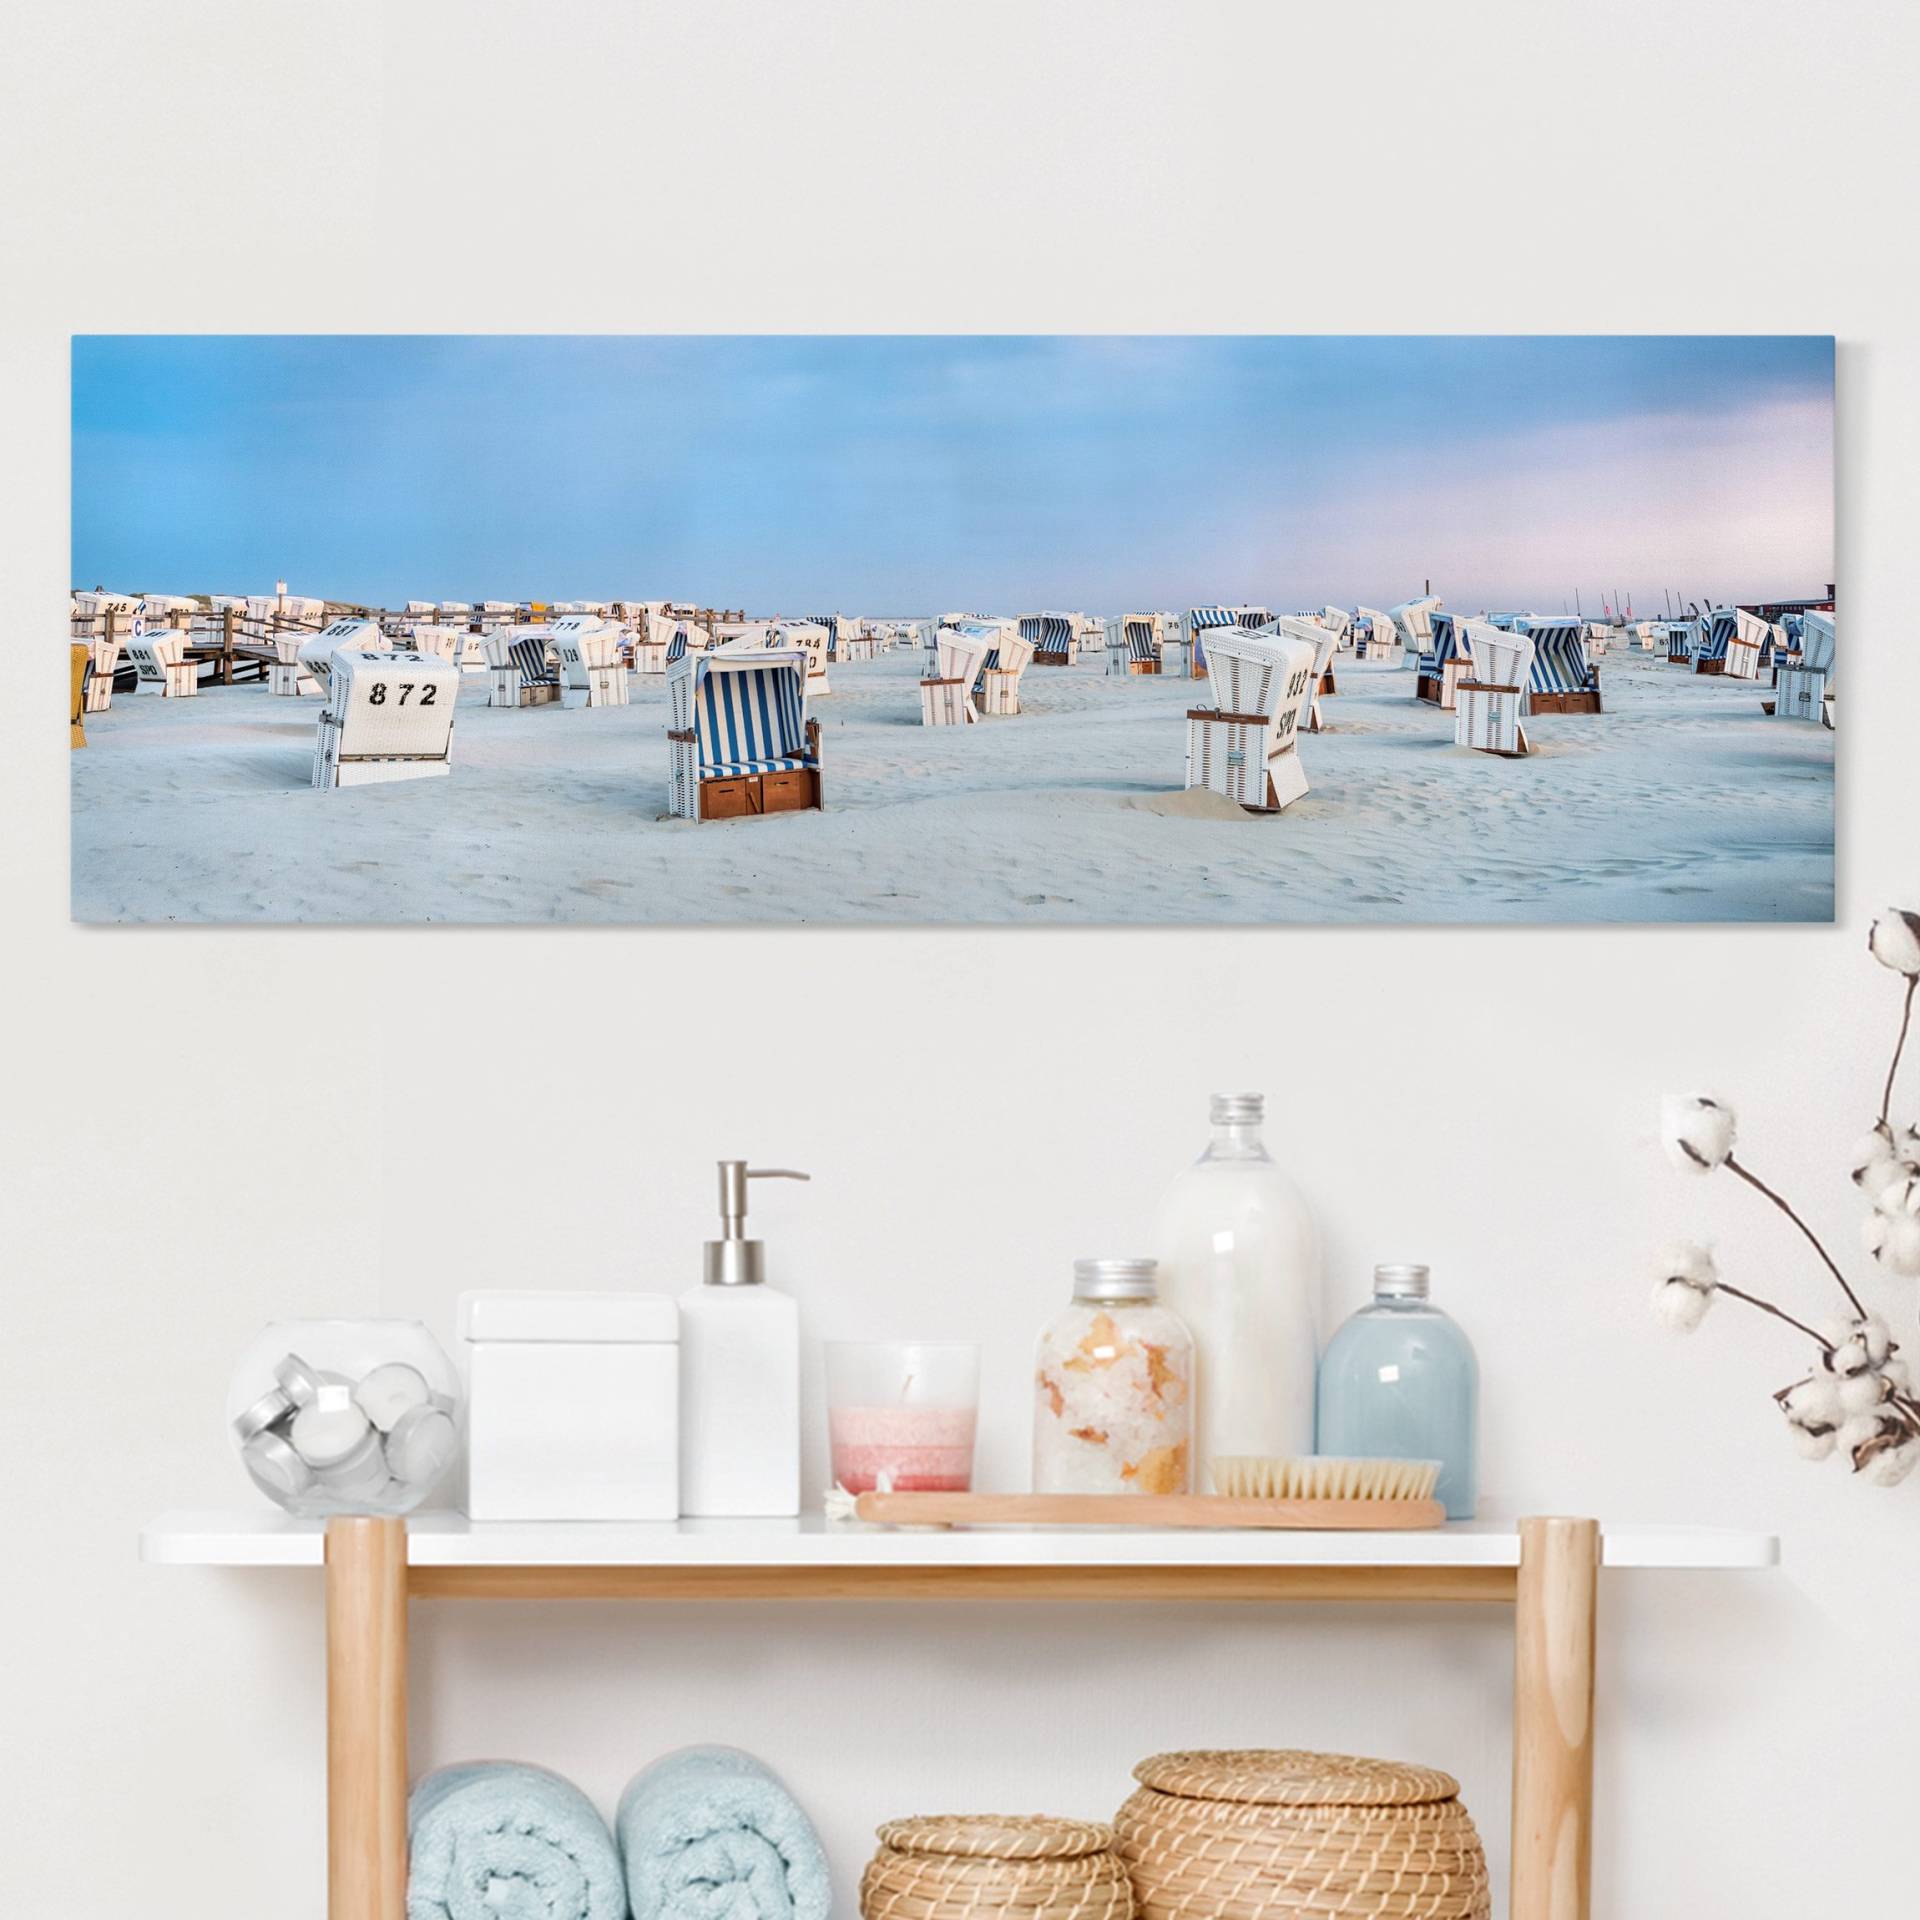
[390, 1391]
[421, 1446]
[330, 1428]
[277, 1470]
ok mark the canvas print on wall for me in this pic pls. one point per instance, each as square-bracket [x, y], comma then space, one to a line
[970, 631]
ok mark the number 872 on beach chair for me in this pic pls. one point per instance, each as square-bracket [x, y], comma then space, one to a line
[738, 738]
[389, 716]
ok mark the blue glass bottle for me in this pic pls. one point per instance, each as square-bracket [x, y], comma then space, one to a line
[1399, 1382]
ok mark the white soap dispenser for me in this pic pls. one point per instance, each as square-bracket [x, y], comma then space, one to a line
[739, 1372]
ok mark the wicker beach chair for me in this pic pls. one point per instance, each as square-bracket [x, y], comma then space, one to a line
[1051, 638]
[1490, 704]
[1322, 640]
[519, 672]
[739, 740]
[1751, 645]
[960, 655]
[1804, 687]
[1245, 745]
[996, 692]
[1717, 633]
[592, 673]
[1563, 678]
[1446, 660]
[389, 716]
[1197, 623]
[1377, 638]
[159, 657]
[313, 656]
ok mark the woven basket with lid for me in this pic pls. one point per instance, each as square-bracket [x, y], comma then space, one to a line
[1270, 1836]
[980, 1867]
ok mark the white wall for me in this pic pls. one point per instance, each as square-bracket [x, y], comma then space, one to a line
[206, 1129]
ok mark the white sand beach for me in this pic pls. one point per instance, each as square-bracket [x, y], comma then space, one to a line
[1682, 802]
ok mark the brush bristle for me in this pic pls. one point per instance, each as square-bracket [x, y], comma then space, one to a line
[1320, 1477]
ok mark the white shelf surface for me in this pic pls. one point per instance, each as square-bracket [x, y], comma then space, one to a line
[262, 1537]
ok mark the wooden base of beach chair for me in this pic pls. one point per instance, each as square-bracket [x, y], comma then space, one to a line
[1053, 659]
[1800, 693]
[1487, 719]
[946, 703]
[1768, 706]
[793, 790]
[1326, 682]
[291, 680]
[999, 693]
[1143, 666]
[511, 688]
[1587, 702]
[606, 687]
[1715, 667]
[1227, 754]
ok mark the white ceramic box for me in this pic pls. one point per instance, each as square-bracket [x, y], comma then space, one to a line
[573, 1405]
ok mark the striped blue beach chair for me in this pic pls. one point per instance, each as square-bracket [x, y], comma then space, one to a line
[1445, 661]
[1682, 635]
[1564, 678]
[1051, 636]
[1711, 654]
[739, 740]
[831, 621]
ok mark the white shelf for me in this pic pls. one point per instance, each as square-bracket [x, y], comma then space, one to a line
[263, 1538]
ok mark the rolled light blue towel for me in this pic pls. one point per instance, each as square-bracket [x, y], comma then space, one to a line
[708, 1833]
[498, 1841]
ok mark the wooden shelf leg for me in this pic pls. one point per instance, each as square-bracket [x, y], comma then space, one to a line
[366, 1719]
[1553, 1720]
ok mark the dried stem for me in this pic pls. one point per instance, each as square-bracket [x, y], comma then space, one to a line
[1779, 1313]
[1899, 1047]
[1760, 1186]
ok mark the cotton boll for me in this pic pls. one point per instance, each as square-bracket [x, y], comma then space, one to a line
[1679, 1305]
[1861, 1392]
[1893, 1240]
[1869, 1437]
[1897, 1374]
[1876, 1164]
[1895, 941]
[1895, 1464]
[1815, 1445]
[1688, 1260]
[1901, 1194]
[1814, 1402]
[1696, 1132]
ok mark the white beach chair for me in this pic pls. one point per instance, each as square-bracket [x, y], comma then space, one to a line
[159, 657]
[738, 738]
[1198, 624]
[946, 695]
[1341, 621]
[313, 656]
[1246, 745]
[1488, 707]
[747, 636]
[389, 716]
[442, 643]
[1323, 641]
[1377, 638]
[1446, 660]
[997, 691]
[104, 640]
[1563, 678]
[1804, 689]
[1750, 645]
[592, 674]
[1413, 625]
[520, 675]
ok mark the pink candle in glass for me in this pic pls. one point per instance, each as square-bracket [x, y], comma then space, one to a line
[901, 1414]
[903, 1449]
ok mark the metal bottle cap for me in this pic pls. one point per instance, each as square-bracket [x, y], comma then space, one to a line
[1114, 1280]
[1400, 1283]
[733, 1260]
[1239, 1109]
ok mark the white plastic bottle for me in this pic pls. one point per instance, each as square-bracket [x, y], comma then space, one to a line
[1240, 1264]
[739, 1373]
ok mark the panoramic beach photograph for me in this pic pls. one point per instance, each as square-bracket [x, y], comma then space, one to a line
[976, 631]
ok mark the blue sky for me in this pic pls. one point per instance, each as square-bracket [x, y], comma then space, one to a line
[896, 475]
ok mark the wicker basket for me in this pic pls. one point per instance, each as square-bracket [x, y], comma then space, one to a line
[1266, 1836]
[962, 1867]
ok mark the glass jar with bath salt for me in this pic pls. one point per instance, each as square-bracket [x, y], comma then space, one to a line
[1113, 1388]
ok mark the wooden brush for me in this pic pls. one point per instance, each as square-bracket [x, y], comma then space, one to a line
[1324, 1477]
[1381, 1495]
